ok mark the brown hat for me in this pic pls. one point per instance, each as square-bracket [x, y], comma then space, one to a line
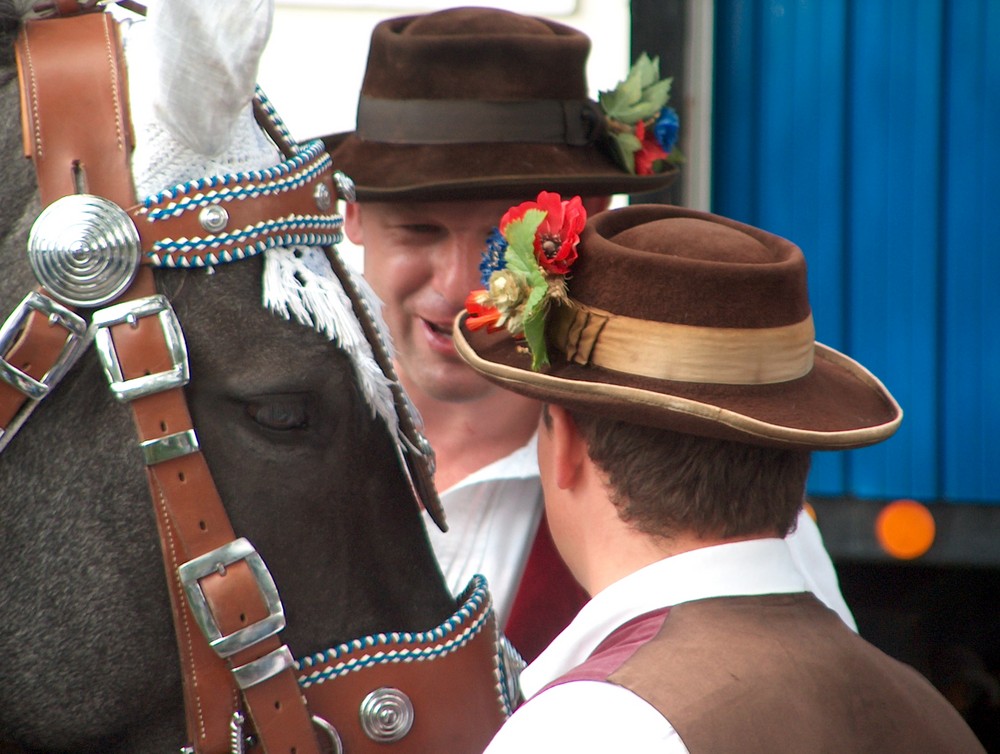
[695, 323]
[478, 103]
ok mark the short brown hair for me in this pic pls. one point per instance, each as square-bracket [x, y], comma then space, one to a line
[664, 482]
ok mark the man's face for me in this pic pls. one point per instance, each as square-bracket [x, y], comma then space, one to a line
[422, 259]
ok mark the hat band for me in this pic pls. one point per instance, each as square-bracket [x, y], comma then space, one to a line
[683, 353]
[460, 121]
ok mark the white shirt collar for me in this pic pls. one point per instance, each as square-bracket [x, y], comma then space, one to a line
[521, 464]
[759, 566]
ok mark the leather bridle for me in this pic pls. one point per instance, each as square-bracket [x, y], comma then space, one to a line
[227, 612]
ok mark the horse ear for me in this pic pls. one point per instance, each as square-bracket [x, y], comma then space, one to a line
[205, 57]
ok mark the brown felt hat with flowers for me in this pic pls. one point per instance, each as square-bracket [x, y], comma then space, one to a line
[672, 318]
[478, 103]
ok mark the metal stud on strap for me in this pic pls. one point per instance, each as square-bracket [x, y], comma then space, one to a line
[216, 561]
[76, 343]
[386, 715]
[130, 312]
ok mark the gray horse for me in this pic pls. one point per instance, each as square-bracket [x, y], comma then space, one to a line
[87, 650]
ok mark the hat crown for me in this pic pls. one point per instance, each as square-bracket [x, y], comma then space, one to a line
[476, 53]
[697, 269]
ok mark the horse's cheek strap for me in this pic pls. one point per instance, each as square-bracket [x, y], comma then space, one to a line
[191, 514]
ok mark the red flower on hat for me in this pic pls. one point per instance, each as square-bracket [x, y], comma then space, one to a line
[559, 232]
[481, 312]
[650, 152]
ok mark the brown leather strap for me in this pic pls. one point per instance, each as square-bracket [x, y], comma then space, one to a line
[72, 67]
[74, 107]
[440, 671]
[191, 513]
[296, 204]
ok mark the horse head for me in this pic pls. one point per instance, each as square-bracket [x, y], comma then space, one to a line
[303, 432]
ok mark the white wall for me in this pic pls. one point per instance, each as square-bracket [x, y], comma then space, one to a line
[314, 63]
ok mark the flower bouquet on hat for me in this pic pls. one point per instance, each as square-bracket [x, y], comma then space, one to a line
[643, 129]
[524, 269]
[667, 317]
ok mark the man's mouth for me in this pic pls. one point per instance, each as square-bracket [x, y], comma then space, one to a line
[443, 330]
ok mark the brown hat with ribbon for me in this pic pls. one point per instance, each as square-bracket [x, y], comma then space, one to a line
[678, 319]
[479, 103]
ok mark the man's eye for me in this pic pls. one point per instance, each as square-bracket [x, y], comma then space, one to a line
[280, 414]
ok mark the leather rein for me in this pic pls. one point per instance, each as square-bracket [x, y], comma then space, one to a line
[226, 607]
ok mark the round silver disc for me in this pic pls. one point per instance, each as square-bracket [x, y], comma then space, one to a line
[322, 196]
[84, 250]
[386, 715]
[345, 186]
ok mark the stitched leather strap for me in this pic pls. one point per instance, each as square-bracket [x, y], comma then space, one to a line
[191, 514]
[73, 65]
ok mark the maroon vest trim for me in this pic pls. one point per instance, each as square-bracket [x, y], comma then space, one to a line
[616, 649]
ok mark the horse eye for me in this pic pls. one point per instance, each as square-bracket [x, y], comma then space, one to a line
[282, 414]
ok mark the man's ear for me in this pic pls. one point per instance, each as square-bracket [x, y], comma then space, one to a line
[569, 451]
[352, 223]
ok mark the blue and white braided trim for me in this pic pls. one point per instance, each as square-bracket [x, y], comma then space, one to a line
[303, 230]
[290, 174]
[463, 626]
[272, 115]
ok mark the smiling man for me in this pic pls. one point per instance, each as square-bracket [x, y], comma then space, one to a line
[462, 113]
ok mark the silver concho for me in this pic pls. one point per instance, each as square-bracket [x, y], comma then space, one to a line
[386, 715]
[84, 249]
[345, 186]
[322, 196]
[213, 218]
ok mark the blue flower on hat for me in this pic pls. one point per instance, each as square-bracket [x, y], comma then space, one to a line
[666, 128]
[494, 257]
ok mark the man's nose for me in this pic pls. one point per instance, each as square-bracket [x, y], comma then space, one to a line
[457, 270]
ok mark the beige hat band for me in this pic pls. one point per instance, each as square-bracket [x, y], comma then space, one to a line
[683, 353]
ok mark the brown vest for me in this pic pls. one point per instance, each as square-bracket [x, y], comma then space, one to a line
[782, 673]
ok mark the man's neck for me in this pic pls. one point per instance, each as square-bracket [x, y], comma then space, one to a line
[466, 436]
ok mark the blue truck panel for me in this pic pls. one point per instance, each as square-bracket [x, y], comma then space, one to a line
[867, 132]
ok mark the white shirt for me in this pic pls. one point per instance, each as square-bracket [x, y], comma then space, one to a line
[599, 717]
[493, 515]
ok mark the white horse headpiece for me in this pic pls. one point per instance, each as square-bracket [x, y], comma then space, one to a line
[195, 122]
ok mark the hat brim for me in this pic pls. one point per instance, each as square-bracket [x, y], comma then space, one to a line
[445, 172]
[837, 406]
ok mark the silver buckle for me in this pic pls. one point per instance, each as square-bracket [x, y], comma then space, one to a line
[77, 341]
[215, 561]
[129, 312]
[76, 344]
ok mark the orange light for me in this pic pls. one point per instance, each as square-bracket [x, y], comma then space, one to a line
[905, 529]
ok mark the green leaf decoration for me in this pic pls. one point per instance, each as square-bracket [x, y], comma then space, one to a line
[520, 235]
[627, 145]
[619, 100]
[534, 334]
[640, 96]
[647, 69]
